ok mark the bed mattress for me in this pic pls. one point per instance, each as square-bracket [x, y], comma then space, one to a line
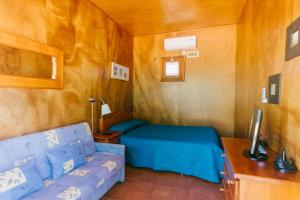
[189, 150]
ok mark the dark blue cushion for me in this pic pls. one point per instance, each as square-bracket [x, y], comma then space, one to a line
[20, 181]
[66, 158]
[128, 125]
[77, 150]
[89, 148]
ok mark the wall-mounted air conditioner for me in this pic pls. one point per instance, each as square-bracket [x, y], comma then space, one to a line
[180, 43]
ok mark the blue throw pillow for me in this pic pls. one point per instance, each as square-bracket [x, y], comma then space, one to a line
[89, 148]
[17, 182]
[78, 151]
[66, 158]
[128, 125]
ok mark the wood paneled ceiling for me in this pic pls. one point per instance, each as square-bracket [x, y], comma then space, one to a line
[143, 17]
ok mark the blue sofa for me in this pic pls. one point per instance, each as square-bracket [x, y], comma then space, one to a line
[102, 167]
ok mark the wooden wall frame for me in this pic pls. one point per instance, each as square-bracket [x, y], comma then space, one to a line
[25, 82]
[181, 76]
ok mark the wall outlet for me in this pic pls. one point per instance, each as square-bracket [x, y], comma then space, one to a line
[264, 97]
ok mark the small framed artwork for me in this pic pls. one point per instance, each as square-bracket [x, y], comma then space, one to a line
[119, 72]
[293, 40]
[274, 89]
[173, 69]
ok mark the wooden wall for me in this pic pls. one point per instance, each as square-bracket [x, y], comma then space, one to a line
[208, 94]
[260, 53]
[90, 41]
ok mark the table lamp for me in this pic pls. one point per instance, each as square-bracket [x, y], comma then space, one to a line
[105, 109]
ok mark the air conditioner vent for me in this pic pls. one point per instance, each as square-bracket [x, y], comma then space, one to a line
[180, 43]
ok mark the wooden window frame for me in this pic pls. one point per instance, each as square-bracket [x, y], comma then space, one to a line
[181, 76]
[28, 82]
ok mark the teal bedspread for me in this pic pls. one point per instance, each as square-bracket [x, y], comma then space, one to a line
[189, 150]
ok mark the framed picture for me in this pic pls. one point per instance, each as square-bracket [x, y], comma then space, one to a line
[119, 72]
[274, 84]
[293, 40]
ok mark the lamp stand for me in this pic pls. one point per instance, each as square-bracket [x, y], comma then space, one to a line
[92, 101]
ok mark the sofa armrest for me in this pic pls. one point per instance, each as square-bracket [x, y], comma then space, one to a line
[111, 148]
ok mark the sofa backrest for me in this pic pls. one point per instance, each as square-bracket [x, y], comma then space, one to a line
[15, 151]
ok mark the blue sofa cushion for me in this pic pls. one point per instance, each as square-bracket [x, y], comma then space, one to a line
[20, 181]
[128, 125]
[99, 172]
[66, 158]
[84, 134]
[14, 150]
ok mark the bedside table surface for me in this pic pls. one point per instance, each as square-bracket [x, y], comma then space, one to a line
[114, 137]
[107, 136]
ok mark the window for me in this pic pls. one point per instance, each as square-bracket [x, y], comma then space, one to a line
[173, 69]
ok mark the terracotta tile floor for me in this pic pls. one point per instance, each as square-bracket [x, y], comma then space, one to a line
[144, 184]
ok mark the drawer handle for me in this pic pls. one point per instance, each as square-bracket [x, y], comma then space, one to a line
[222, 189]
[230, 182]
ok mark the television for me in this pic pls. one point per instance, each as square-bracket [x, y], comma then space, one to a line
[256, 151]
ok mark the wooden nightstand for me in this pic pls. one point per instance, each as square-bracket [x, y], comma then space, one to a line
[113, 137]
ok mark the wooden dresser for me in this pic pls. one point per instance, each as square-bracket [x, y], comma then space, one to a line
[250, 180]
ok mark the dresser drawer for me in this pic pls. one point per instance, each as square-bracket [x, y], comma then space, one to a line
[228, 168]
[225, 189]
[230, 181]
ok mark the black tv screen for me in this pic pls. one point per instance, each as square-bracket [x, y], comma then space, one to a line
[254, 130]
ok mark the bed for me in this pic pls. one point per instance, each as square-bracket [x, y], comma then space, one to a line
[189, 150]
